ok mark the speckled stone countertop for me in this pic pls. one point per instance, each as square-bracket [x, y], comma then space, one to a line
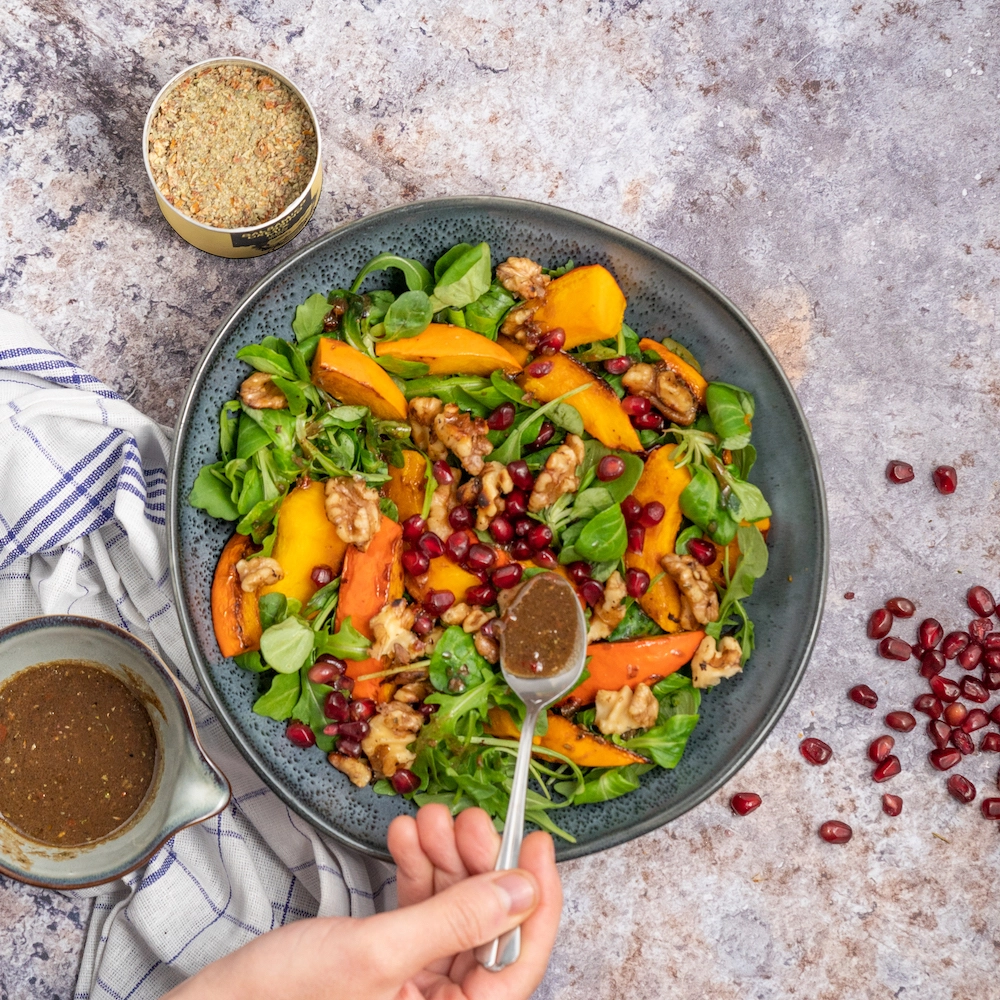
[833, 169]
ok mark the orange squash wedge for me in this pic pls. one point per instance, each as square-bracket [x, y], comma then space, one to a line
[692, 377]
[406, 487]
[355, 379]
[305, 539]
[451, 350]
[586, 302]
[234, 613]
[567, 738]
[661, 481]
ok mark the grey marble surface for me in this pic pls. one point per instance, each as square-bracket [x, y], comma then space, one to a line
[831, 167]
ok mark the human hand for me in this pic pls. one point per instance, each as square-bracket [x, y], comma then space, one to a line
[450, 901]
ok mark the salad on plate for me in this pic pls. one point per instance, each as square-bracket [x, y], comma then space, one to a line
[399, 469]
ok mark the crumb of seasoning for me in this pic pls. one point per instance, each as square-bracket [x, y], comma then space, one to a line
[231, 147]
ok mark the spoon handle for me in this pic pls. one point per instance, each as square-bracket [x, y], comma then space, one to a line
[506, 949]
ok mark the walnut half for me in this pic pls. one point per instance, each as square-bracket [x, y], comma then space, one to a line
[355, 769]
[558, 475]
[665, 389]
[696, 588]
[259, 392]
[260, 571]
[712, 664]
[523, 277]
[352, 508]
[618, 712]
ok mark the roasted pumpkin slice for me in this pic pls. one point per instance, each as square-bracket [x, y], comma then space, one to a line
[451, 350]
[357, 380]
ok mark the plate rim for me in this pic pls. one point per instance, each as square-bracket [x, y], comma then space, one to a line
[564, 852]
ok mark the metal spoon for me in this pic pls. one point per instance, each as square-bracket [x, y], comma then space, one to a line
[537, 693]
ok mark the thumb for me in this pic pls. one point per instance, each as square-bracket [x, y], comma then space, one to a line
[467, 914]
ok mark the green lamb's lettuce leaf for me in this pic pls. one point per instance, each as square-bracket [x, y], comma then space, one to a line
[409, 315]
[604, 536]
[467, 277]
[251, 661]
[212, 493]
[286, 645]
[485, 314]
[603, 784]
[309, 317]
[309, 708]
[635, 625]
[731, 410]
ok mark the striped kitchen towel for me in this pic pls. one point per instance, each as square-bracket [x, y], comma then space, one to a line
[83, 531]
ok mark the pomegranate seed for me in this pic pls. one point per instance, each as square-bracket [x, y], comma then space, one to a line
[945, 479]
[480, 558]
[636, 406]
[336, 707]
[415, 563]
[515, 504]
[703, 551]
[523, 525]
[430, 544]
[482, 594]
[539, 369]
[501, 418]
[944, 758]
[618, 366]
[338, 665]
[979, 628]
[930, 633]
[991, 678]
[917, 650]
[357, 729]
[539, 536]
[349, 748]
[300, 734]
[879, 624]
[413, 527]
[609, 468]
[955, 714]
[894, 649]
[428, 710]
[579, 572]
[969, 658]
[592, 592]
[321, 575]
[932, 662]
[976, 719]
[546, 558]
[648, 421]
[991, 659]
[962, 742]
[992, 641]
[974, 690]
[520, 474]
[961, 788]
[443, 472]
[945, 688]
[636, 582]
[507, 576]
[990, 808]
[880, 748]
[552, 343]
[744, 802]
[892, 805]
[902, 722]
[939, 732]
[457, 546]
[501, 530]
[460, 518]
[899, 472]
[344, 684]
[995, 714]
[323, 673]
[652, 514]
[929, 705]
[863, 695]
[849, 595]
[438, 602]
[901, 607]
[636, 539]
[991, 743]
[521, 549]
[833, 831]
[815, 751]
[631, 510]
[331, 730]
[405, 781]
[423, 624]
[954, 643]
[545, 435]
[889, 768]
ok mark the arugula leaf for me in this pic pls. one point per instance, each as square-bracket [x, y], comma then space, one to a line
[416, 276]
[558, 272]
[309, 708]
[752, 565]
[409, 315]
[251, 661]
[277, 703]
[604, 536]
[635, 625]
[309, 317]
[468, 276]
[455, 663]
[286, 645]
[347, 642]
[212, 493]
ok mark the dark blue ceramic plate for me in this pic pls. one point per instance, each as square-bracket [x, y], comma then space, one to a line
[664, 298]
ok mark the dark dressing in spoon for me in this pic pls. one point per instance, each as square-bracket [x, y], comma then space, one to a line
[539, 637]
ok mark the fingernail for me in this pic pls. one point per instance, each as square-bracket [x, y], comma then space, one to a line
[519, 892]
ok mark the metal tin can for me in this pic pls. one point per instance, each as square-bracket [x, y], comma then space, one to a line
[255, 240]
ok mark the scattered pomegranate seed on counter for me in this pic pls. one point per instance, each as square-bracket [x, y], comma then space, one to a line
[899, 472]
[880, 748]
[902, 722]
[945, 688]
[863, 695]
[995, 714]
[930, 633]
[889, 768]
[979, 628]
[976, 719]
[974, 690]
[892, 648]
[939, 733]
[849, 596]
[961, 788]
[962, 742]
[944, 758]
[932, 662]
[945, 479]
[991, 808]
[955, 714]
[929, 705]
[990, 743]
[901, 607]
[969, 658]
[879, 624]
[981, 601]
[743, 803]
[892, 805]
[833, 831]
[954, 643]
[815, 751]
